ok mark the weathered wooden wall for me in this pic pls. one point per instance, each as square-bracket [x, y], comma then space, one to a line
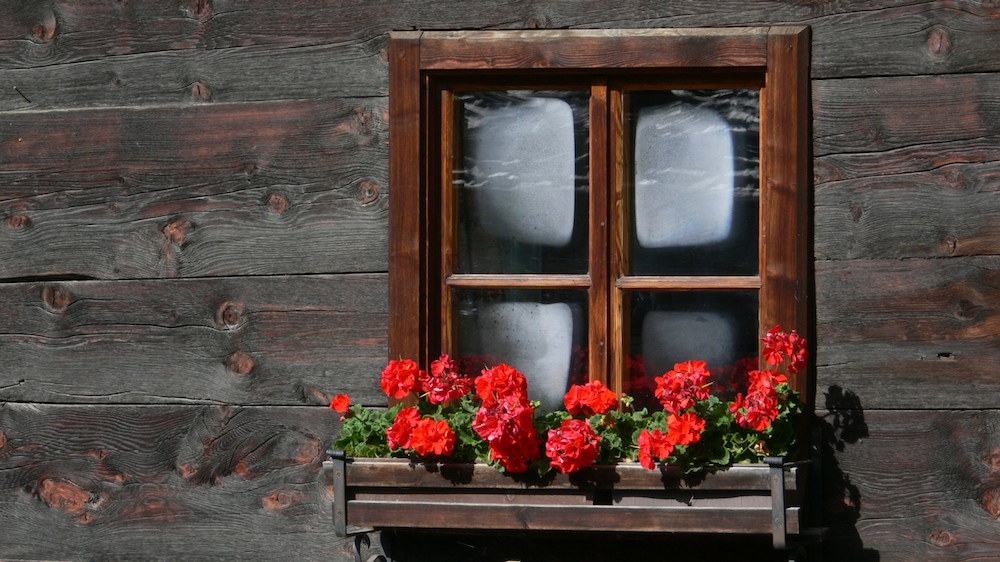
[193, 249]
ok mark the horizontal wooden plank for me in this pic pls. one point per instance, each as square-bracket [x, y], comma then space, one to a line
[171, 482]
[243, 189]
[250, 340]
[910, 333]
[879, 115]
[589, 49]
[911, 485]
[395, 473]
[448, 515]
[942, 205]
[351, 67]
[850, 39]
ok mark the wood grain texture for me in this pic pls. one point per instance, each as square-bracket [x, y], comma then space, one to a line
[168, 482]
[249, 340]
[912, 485]
[245, 189]
[907, 167]
[910, 333]
[856, 38]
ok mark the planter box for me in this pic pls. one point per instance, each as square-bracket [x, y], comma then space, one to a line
[761, 499]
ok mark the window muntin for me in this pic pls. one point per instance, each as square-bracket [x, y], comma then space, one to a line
[426, 72]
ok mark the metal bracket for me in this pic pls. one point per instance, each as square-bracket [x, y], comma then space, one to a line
[776, 478]
[339, 459]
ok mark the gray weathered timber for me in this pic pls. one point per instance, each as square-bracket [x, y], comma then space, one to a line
[886, 114]
[910, 333]
[232, 189]
[239, 340]
[913, 485]
[196, 217]
[165, 482]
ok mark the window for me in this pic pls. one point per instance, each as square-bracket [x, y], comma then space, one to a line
[598, 203]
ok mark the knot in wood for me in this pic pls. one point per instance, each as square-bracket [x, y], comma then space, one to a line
[368, 192]
[18, 221]
[990, 501]
[280, 500]
[950, 244]
[992, 460]
[939, 41]
[201, 9]
[56, 298]
[967, 310]
[856, 211]
[45, 30]
[941, 538]
[200, 91]
[63, 495]
[176, 231]
[536, 22]
[229, 314]
[240, 363]
[277, 203]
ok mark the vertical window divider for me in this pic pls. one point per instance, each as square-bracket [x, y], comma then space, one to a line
[449, 214]
[599, 283]
[616, 266]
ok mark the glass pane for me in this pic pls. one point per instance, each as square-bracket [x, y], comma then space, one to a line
[694, 182]
[541, 333]
[666, 328]
[522, 187]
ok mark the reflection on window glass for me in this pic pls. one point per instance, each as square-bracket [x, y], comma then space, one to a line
[666, 328]
[543, 334]
[695, 173]
[522, 188]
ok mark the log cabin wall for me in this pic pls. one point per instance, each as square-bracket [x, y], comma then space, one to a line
[193, 256]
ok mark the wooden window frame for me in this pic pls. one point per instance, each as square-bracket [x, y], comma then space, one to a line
[774, 58]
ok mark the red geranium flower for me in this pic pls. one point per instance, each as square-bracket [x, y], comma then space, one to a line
[653, 446]
[679, 388]
[780, 345]
[500, 382]
[589, 399]
[444, 382]
[572, 446]
[508, 425]
[400, 432]
[684, 429]
[340, 403]
[400, 377]
[432, 438]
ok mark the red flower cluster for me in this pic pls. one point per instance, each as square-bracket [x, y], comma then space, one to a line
[572, 446]
[444, 382]
[432, 438]
[589, 399]
[760, 406]
[653, 446]
[679, 389]
[682, 430]
[427, 436]
[506, 419]
[401, 430]
[401, 377]
[780, 345]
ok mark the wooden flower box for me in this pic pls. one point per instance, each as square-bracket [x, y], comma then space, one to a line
[760, 499]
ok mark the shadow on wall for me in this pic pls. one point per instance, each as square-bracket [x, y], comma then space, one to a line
[842, 424]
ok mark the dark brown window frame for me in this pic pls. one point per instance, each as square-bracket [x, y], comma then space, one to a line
[774, 58]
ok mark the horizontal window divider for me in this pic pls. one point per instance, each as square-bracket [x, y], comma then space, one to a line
[689, 282]
[524, 281]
